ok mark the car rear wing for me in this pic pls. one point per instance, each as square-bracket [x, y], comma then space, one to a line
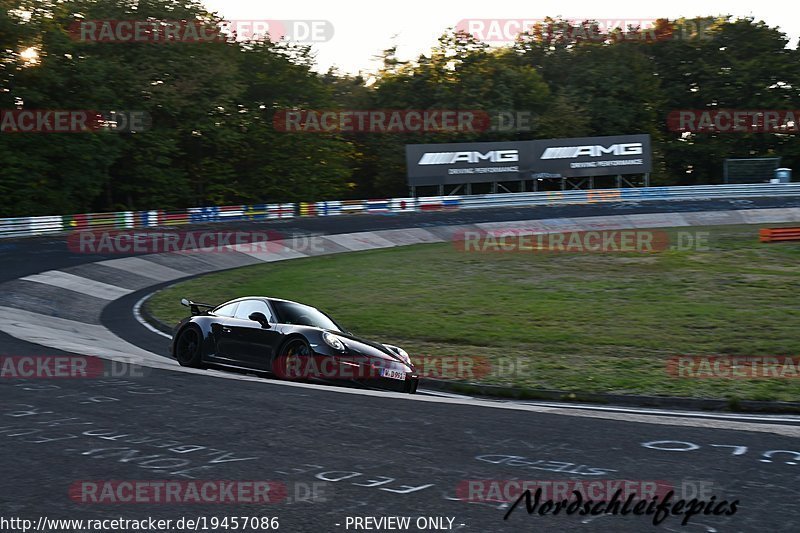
[196, 307]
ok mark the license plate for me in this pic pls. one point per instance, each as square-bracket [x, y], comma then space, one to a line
[393, 374]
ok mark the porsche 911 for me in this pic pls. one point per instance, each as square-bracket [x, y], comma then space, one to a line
[289, 340]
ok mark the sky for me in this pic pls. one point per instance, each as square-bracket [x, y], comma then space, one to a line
[363, 29]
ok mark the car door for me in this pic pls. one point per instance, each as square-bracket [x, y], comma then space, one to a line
[254, 344]
[224, 349]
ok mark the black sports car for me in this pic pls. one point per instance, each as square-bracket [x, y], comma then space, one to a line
[290, 340]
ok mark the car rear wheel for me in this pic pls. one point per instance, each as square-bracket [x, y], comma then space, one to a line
[188, 347]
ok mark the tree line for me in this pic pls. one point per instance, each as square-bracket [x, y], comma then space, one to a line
[211, 107]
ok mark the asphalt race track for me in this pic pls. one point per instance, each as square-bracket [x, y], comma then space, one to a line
[336, 454]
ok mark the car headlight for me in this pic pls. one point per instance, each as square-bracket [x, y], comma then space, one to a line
[401, 352]
[334, 341]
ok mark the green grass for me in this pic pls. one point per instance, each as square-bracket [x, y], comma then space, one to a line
[584, 322]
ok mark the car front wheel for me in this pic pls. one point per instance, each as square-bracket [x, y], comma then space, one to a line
[292, 359]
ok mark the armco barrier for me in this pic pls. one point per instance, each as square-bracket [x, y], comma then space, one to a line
[779, 234]
[590, 196]
[28, 226]
[25, 226]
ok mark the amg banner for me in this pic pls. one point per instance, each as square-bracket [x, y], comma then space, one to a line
[447, 164]
[591, 156]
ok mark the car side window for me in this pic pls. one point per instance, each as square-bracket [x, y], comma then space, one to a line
[226, 310]
[247, 307]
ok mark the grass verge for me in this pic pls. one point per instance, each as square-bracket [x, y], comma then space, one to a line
[580, 322]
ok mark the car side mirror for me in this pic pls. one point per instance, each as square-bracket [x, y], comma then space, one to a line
[261, 318]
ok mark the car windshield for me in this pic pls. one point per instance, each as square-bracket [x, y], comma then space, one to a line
[304, 315]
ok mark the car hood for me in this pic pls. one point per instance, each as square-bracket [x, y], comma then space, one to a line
[357, 345]
[367, 347]
[361, 346]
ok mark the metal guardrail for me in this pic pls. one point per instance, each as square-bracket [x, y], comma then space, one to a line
[697, 192]
[779, 234]
[46, 225]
